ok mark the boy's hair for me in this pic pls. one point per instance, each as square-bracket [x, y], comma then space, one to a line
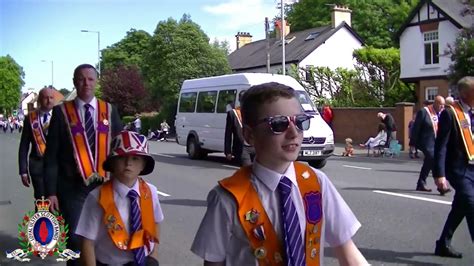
[348, 141]
[257, 95]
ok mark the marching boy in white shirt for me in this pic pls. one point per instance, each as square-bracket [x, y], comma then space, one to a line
[120, 219]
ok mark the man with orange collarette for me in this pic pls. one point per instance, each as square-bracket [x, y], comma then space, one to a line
[34, 135]
[78, 142]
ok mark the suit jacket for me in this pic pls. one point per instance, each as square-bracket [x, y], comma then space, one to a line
[389, 122]
[60, 167]
[35, 162]
[234, 138]
[450, 156]
[422, 134]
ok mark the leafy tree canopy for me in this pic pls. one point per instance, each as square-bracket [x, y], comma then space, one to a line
[124, 87]
[376, 21]
[129, 51]
[180, 50]
[11, 82]
[462, 55]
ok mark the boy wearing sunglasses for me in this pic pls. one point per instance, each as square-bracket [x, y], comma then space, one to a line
[276, 211]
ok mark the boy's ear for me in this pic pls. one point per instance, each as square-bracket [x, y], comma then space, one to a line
[248, 135]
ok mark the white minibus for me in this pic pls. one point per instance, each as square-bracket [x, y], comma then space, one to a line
[202, 109]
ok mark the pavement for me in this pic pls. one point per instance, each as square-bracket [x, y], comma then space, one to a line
[362, 152]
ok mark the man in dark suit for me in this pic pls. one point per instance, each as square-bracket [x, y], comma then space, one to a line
[235, 146]
[423, 137]
[390, 126]
[454, 161]
[78, 141]
[34, 135]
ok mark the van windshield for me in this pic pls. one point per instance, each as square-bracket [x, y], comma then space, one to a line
[305, 101]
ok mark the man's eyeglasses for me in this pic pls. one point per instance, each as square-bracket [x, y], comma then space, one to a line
[280, 123]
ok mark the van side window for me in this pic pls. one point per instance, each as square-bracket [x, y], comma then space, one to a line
[187, 102]
[206, 102]
[226, 101]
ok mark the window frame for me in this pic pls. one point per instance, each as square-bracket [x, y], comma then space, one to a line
[431, 47]
[427, 94]
[199, 100]
[183, 96]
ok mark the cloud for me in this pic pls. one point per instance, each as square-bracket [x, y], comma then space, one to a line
[236, 15]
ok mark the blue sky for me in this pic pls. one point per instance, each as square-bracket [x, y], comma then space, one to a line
[50, 30]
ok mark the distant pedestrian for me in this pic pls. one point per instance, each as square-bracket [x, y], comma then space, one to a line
[390, 126]
[137, 124]
[413, 152]
[424, 132]
[165, 129]
[327, 114]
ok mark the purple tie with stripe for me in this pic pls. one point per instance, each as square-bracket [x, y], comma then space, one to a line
[471, 115]
[135, 225]
[295, 252]
[90, 130]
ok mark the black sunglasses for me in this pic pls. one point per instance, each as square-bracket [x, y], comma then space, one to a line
[280, 123]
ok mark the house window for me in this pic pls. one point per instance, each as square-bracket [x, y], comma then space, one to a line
[431, 47]
[430, 93]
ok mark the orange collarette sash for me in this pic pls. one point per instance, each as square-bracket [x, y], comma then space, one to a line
[267, 247]
[433, 117]
[464, 128]
[89, 167]
[115, 226]
[38, 134]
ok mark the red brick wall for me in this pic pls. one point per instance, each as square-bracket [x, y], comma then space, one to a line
[362, 123]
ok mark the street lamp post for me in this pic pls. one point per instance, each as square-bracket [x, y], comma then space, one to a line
[98, 46]
[52, 71]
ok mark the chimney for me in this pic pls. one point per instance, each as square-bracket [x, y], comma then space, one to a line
[242, 38]
[340, 14]
[278, 28]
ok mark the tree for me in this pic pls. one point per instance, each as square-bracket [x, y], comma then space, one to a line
[65, 92]
[131, 50]
[124, 87]
[376, 21]
[224, 46]
[11, 82]
[461, 52]
[180, 51]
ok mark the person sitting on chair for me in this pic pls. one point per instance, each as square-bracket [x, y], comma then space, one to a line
[377, 140]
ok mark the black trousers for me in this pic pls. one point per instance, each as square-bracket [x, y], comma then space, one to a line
[428, 164]
[462, 206]
[149, 261]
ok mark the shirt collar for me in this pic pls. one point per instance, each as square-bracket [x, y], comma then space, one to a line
[122, 190]
[80, 103]
[41, 112]
[270, 178]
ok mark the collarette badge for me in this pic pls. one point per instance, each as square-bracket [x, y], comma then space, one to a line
[42, 234]
[252, 216]
[259, 232]
[306, 175]
[260, 253]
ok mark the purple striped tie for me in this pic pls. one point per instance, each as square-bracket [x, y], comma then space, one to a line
[471, 115]
[90, 130]
[135, 225]
[295, 252]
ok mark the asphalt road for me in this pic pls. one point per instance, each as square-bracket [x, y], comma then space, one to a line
[399, 225]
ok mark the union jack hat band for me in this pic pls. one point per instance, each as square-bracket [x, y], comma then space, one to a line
[130, 143]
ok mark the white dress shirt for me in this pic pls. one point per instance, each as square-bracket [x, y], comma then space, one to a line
[91, 224]
[221, 238]
[82, 110]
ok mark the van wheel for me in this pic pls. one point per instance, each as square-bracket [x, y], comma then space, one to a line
[318, 164]
[194, 149]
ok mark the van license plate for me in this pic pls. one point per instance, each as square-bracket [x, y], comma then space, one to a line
[311, 153]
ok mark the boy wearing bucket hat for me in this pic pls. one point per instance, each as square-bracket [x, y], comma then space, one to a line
[119, 223]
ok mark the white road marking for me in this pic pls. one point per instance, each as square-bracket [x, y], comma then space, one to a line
[165, 155]
[162, 193]
[413, 197]
[231, 166]
[357, 167]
